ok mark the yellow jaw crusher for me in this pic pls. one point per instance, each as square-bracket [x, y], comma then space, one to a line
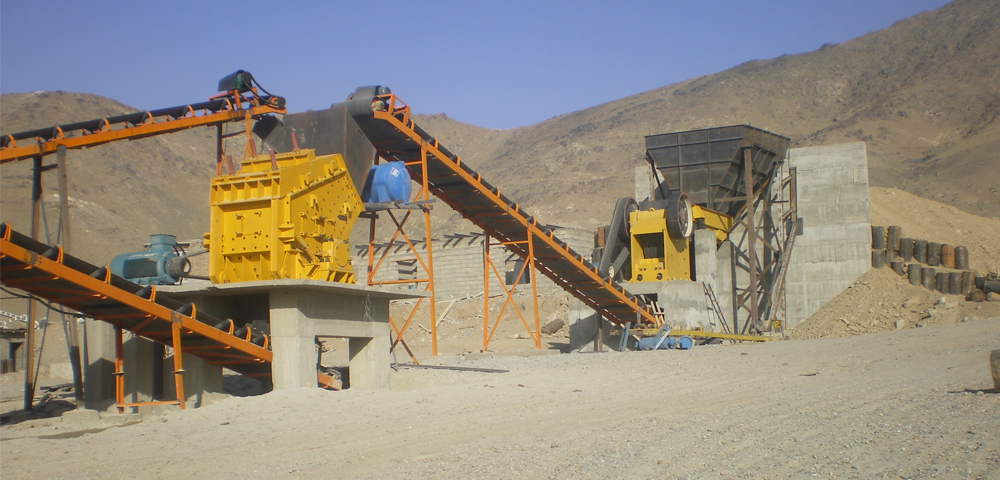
[653, 244]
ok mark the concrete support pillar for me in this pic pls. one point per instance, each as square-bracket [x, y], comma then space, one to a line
[583, 325]
[684, 304]
[139, 363]
[370, 362]
[705, 263]
[200, 379]
[725, 269]
[293, 343]
[643, 184]
[99, 380]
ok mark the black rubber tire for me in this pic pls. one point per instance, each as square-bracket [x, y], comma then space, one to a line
[955, 283]
[933, 254]
[897, 267]
[878, 238]
[961, 258]
[906, 249]
[947, 256]
[913, 272]
[941, 282]
[968, 282]
[892, 235]
[927, 277]
[920, 251]
[878, 258]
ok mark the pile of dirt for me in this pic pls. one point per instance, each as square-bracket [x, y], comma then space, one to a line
[881, 300]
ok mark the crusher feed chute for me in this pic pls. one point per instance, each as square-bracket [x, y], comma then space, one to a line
[708, 164]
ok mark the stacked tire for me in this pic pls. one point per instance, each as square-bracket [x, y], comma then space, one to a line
[940, 267]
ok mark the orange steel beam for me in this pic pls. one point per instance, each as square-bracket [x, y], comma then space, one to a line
[427, 266]
[536, 336]
[105, 289]
[13, 152]
[399, 118]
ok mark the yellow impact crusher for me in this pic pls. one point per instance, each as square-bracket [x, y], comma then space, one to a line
[285, 215]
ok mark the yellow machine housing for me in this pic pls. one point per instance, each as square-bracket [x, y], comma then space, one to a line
[286, 217]
[656, 256]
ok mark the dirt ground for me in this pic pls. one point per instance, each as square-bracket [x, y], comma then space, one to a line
[912, 403]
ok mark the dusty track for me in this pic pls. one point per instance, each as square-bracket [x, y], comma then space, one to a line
[910, 403]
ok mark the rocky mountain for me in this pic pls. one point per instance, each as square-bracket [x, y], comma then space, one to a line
[924, 94]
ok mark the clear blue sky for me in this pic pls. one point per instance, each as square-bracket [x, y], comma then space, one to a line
[493, 64]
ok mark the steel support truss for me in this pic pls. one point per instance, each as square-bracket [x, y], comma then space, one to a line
[422, 202]
[529, 266]
[763, 250]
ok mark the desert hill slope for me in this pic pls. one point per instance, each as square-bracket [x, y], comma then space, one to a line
[120, 192]
[924, 94]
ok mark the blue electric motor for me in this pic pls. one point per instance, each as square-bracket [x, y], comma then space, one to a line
[387, 182]
[162, 263]
[681, 343]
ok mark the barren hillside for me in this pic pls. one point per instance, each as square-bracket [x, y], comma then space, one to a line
[119, 192]
[924, 94]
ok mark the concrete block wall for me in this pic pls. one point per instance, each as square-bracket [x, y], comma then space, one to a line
[835, 247]
[458, 263]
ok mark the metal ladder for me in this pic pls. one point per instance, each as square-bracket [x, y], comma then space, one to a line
[714, 306]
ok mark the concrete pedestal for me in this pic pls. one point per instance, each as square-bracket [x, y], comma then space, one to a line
[299, 312]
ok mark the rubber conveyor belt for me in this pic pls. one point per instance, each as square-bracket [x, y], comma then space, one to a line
[395, 136]
[48, 273]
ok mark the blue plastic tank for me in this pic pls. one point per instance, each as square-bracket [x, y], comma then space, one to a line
[387, 182]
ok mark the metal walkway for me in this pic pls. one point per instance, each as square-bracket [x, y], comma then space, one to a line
[386, 122]
[49, 273]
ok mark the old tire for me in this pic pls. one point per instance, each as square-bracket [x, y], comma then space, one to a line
[941, 282]
[913, 272]
[906, 249]
[920, 251]
[947, 256]
[892, 235]
[961, 258]
[927, 277]
[878, 238]
[933, 254]
[878, 258]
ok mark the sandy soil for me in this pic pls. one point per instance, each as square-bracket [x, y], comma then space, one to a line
[913, 403]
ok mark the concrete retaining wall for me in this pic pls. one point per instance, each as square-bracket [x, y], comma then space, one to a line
[835, 247]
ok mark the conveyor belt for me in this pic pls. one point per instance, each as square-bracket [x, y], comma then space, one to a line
[395, 136]
[49, 273]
